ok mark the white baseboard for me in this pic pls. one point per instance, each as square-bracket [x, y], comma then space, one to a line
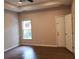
[10, 48]
[70, 50]
[40, 45]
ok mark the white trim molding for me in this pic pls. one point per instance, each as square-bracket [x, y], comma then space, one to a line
[10, 48]
[40, 45]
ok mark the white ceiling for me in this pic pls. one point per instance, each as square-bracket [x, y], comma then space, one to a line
[15, 2]
[37, 4]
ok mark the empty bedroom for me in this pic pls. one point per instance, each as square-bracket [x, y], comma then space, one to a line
[39, 29]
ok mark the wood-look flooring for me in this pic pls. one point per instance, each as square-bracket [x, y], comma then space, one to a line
[37, 52]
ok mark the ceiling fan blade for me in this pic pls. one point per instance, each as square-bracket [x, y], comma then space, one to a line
[30, 0]
[27, 0]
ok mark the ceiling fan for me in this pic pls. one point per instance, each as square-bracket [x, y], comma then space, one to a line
[25, 0]
[21, 1]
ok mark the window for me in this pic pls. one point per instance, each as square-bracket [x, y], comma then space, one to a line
[26, 27]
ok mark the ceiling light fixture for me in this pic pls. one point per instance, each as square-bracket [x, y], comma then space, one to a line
[20, 2]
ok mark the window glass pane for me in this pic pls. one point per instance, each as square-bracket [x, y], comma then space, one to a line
[26, 24]
[27, 34]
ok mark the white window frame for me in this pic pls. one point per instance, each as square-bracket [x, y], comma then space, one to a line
[24, 29]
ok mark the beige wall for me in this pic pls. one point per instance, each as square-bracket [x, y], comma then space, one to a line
[11, 30]
[43, 26]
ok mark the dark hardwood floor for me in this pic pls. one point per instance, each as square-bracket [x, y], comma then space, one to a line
[34, 52]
